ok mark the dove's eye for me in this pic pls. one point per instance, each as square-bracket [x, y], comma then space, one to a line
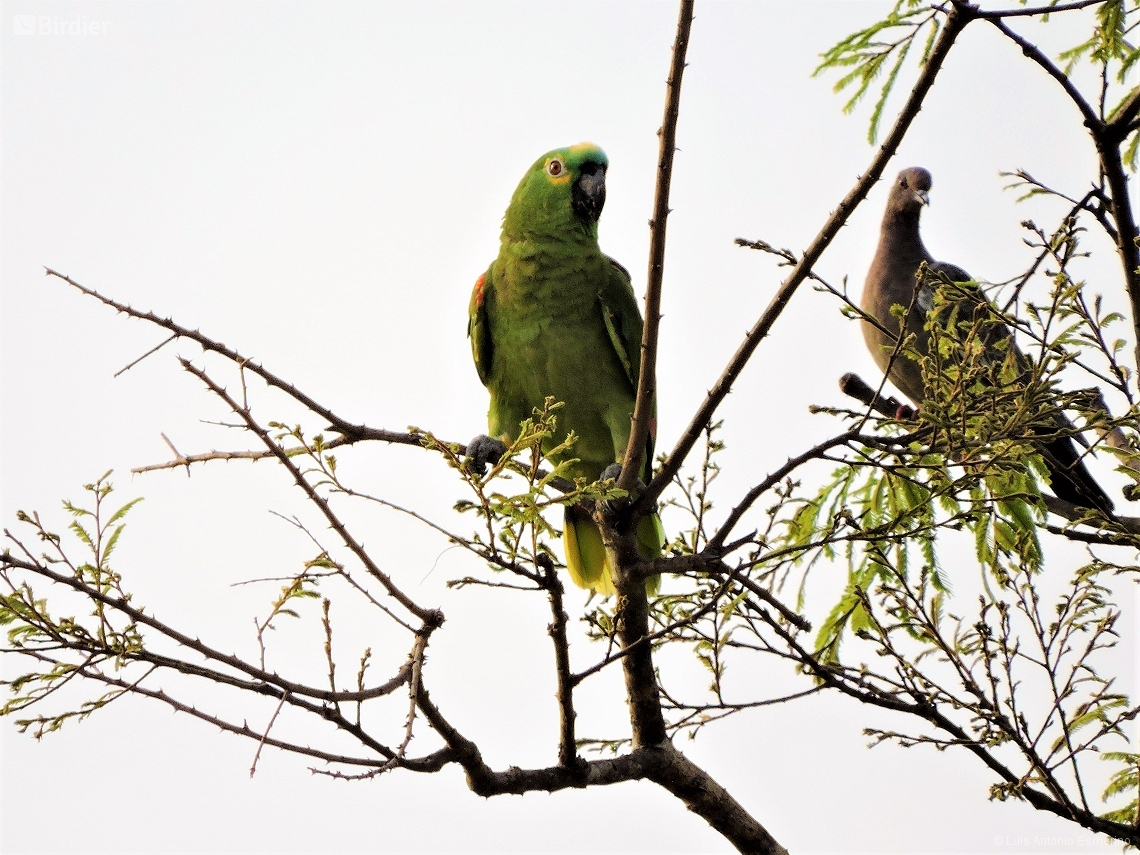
[554, 167]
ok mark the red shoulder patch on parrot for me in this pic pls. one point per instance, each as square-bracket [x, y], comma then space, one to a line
[479, 283]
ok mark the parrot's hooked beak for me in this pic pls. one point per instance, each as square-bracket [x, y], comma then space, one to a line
[588, 194]
[923, 197]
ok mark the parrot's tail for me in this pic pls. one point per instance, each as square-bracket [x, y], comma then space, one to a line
[586, 554]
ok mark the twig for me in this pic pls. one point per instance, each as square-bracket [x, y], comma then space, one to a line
[1032, 11]
[265, 736]
[154, 349]
[714, 545]
[147, 619]
[1107, 138]
[650, 638]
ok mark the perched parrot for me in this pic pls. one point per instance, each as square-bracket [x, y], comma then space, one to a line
[554, 316]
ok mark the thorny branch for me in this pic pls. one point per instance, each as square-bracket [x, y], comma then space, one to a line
[351, 432]
[644, 408]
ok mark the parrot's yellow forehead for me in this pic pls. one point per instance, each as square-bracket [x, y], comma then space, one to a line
[561, 165]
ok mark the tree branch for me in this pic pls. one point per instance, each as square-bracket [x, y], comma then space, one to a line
[430, 763]
[662, 764]
[1034, 11]
[960, 15]
[1121, 123]
[793, 463]
[141, 617]
[1107, 139]
[710, 801]
[855, 684]
[336, 423]
[644, 700]
[430, 617]
[643, 412]
[567, 745]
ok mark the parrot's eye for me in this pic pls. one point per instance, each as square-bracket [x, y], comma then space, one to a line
[902, 182]
[554, 167]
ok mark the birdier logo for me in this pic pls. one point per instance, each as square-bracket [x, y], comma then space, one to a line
[53, 25]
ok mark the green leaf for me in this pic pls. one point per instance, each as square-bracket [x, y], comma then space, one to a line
[109, 547]
[123, 511]
[867, 52]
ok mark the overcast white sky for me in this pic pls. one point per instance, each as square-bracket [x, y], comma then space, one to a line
[318, 185]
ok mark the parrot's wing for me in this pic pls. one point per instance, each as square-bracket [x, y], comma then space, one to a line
[623, 323]
[478, 330]
[623, 320]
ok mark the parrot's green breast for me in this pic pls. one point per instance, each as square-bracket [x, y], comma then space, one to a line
[545, 316]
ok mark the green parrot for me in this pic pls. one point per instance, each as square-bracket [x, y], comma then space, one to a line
[554, 316]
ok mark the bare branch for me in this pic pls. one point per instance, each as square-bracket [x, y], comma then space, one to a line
[430, 763]
[776, 477]
[187, 459]
[1037, 11]
[238, 664]
[355, 432]
[660, 763]
[154, 349]
[567, 744]
[430, 617]
[265, 736]
[647, 379]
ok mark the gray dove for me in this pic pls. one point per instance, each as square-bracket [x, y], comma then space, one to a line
[893, 280]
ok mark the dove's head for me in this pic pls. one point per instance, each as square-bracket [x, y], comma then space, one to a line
[910, 193]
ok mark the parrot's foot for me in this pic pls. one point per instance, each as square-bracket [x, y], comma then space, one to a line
[612, 473]
[483, 450]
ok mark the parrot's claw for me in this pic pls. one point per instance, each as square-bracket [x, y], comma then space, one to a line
[483, 450]
[612, 473]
